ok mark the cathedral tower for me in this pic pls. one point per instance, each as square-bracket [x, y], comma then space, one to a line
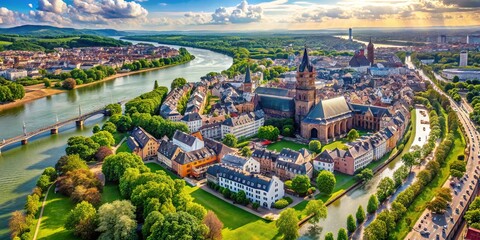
[247, 83]
[371, 52]
[305, 96]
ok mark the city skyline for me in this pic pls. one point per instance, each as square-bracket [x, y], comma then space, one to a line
[241, 15]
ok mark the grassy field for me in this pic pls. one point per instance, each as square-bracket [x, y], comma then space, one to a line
[5, 43]
[119, 136]
[110, 193]
[124, 148]
[278, 146]
[238, 223]
[419, 204]
[56, 210]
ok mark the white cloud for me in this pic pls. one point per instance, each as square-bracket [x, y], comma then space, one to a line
[7, 16]
[30, 5]
[242, 13]
[55, 6]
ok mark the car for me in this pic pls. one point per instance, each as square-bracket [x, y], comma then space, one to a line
[419, 138]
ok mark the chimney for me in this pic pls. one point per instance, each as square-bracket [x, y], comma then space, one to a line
[361, 52]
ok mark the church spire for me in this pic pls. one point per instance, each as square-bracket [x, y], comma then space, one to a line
[305, 62]
[248, 78]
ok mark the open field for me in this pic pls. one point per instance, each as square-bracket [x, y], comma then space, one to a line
[55, 214]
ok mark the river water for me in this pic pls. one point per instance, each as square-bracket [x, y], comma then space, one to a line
[20, 166]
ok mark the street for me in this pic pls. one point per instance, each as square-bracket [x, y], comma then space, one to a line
[438, 226]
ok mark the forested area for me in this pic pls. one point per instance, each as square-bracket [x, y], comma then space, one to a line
[449, 59]
[10, 91]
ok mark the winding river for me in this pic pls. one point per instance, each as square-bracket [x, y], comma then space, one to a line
[20, 166]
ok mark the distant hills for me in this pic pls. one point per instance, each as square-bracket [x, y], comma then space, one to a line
[40, 30]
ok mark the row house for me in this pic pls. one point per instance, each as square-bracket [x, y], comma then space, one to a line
[258, 188]
[245, 164]
[286, 165]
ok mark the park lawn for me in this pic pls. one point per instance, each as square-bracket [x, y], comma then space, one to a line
[118, 137]
[55, 214]
[155, 166]
[337, 144]
[278, 146]
[110, 193]
[124, 148]
[419, 204]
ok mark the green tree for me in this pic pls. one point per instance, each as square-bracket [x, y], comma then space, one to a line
[230, 140]
[17, 224]
[439, 204]
[69, 84]
[69, 163]
[178, 225]
[83, 216]
[109, 127]
[360, 215]
[178, 82]
[246, 152]
[352, 135]
[408, 160]
[51, 173]
[96, 129]
[155, 86]
[326, 182]
[301, 184]
[365, 175]
[342, 234]
[103, 138]
[351, 225]
[287, 224]
[329, 236]
[44, 182]
[376, 230]
[456, 79]
[115, 165]
[116, 220]
[318, 209]
[113, 108]
[315, 146]
[196, 210]
[152, 218]
[385, 188]
[31, 206]
[372, 204]
[268, 132]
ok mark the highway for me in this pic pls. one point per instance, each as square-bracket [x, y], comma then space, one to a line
[439, 226]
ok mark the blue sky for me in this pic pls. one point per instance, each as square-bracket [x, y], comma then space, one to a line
[239, 14]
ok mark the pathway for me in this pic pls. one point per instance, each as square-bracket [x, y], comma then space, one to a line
[114, 149]
[41, 212]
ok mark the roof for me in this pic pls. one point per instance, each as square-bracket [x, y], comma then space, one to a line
[218, 147]
[329, 109]
[140, 136]
[191, 117]
[234, 161]
[248, 78]
[359, 60]
[376, 111]
[167, 148]
[184, 138]
[244, 118]
[272, 91]
[193, 156]
[255, 181]
[290, 155]
[266, 154]
[294, 167]
[305, 65]
[283, 104]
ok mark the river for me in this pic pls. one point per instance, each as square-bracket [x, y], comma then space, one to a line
[20, 166]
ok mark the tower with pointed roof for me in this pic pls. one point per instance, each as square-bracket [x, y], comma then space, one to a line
[305, 96]
[247, 83]
[371, 52]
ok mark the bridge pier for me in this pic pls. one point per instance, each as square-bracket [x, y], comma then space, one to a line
[54, 131]
[79, 123]
[24, 141]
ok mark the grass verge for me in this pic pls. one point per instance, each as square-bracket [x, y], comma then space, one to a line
[55, 214]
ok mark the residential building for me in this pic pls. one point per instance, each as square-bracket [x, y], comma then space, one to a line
[258, 188]
[246, 164]
[245, 125]
[193, 121]
[187, 142]
[142, 143]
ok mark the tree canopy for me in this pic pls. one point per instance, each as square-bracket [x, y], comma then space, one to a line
[326, 182]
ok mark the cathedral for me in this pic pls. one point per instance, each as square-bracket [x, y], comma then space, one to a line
[326, 119]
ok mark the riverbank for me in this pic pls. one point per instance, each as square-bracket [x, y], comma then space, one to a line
[38, 91]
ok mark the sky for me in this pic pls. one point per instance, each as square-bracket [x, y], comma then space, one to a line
[225, 15]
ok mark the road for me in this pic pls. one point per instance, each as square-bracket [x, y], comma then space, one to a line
[438, 226]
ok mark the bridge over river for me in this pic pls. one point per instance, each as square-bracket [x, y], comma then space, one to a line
[53, 129]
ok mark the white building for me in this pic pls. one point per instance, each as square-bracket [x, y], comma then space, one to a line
[245, 125]
[193, 121]
[463, 59]
[187, 142]
[246, 164]
[463, 74]
[379, 144]
[14, 74]
[258, 188]
[325, 161]
[362, 153]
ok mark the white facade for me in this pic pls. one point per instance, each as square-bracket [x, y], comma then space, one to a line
[164, 159]
[193, 126]
[252, 165]
[266, 197]
[321, 165]
[463, 74]
[363, 160]
[380, 150]
[243, 130]
[213, 131]
[197, 144]
[16, 74]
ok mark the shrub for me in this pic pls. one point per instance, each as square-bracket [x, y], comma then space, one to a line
[280, 204]
[255, 205]
[288, 184]
[289, 200]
